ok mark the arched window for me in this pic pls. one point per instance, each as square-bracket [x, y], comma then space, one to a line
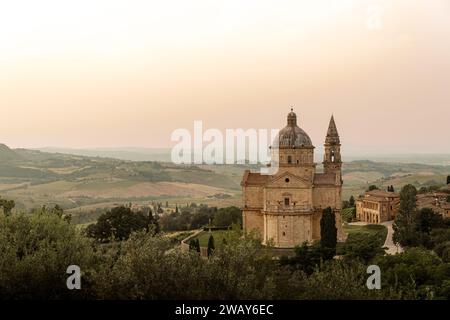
[289, 159]
[332, 156]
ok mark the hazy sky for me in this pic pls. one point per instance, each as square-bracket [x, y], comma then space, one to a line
[113, 73]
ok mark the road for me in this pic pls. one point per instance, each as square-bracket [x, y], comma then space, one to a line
[392, 248]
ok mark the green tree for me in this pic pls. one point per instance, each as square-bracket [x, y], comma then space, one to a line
[199, 219]
[362, 246]
[372, 187]
[404, 224]
[154, 222]
[307, 258]
[7, 206]
[351, 201]
[225, 217]
[416, 270]
[192, 244]
[211, 246]
[328, 233]
[197, 245]
[427, 219]
[448, 179]
[119, 223]
[35, 251]
[56, 210]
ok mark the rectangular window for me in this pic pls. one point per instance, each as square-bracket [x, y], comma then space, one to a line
[286, 201]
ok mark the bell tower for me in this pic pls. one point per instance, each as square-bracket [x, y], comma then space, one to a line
[332, 162]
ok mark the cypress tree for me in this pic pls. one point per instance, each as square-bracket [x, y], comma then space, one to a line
[211, 246]
[328, 233]
[404, 223]
[192, 244]
[351, 201]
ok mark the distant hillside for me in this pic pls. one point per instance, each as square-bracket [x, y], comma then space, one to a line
[6, 154]
[358, 175]
[132, 154]
[82, 184]
[163, 155]
[34, 178]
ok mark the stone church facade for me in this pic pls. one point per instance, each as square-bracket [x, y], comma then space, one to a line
[285, 208]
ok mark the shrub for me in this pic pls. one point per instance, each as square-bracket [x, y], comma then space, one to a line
[35, 251]
[362, 246]
[119, 223]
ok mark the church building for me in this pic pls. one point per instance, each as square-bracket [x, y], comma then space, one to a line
[285, 208]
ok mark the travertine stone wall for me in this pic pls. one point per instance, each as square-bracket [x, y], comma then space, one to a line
[253, 196]
[286, 207]
[253, 222]
[286, 230]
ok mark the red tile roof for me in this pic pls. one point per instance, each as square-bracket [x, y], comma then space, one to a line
[254, 178]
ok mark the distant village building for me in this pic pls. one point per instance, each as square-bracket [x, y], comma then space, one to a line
[436, 201]
[285, 209]
[377, 206]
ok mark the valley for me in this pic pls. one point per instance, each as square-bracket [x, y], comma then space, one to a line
[84, 185]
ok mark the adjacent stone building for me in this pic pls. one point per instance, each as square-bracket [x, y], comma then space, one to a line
[285, 208]
[377, 206]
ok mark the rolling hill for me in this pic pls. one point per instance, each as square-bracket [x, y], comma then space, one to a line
[83, 184]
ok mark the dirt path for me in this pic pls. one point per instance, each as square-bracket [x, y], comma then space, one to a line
[392, 248]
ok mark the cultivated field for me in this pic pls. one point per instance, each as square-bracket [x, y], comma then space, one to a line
[85, 186]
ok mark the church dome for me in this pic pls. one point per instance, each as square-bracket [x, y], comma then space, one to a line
[292, 136]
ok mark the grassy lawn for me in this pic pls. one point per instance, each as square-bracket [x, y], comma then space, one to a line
[347, 214]
[371, 229]
[218, 235]
[379, 231]
[177, 236]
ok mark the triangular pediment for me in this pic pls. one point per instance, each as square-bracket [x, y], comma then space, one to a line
[289, 180]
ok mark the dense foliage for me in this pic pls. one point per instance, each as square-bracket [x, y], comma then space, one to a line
[7, 205]
[362, 246]
[120, 222]
[196, 216]
[35, 251]
[132, 261]
[421, 228]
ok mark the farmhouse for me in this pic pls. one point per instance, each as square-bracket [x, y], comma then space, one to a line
[377, 206]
